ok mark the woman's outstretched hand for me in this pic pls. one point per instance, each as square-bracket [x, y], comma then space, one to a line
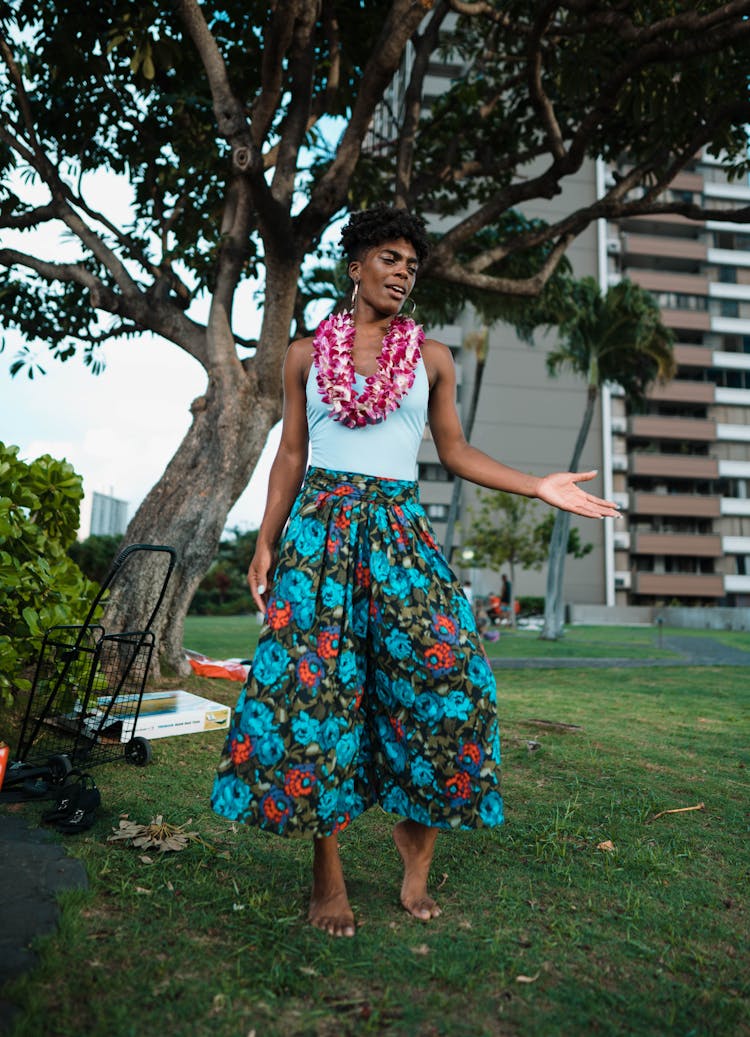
[560, 490]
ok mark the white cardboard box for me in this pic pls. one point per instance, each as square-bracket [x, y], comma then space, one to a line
[163, 714]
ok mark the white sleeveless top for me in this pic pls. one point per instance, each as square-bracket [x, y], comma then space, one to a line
[387, 450]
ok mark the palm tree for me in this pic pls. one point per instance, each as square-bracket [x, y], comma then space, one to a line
[476, 342]
[616, 337]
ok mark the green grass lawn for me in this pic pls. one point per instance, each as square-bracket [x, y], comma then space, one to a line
[544, 932]
[226, 637]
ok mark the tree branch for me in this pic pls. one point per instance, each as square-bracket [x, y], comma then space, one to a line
[31, 218]
[424, 45]
[539, 99]
[329, 193]
[277, 39]
[230, 113]
[301, 69]
[450, 270]
[160, 317]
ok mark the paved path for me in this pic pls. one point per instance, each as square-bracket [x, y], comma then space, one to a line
[34, 868]
[691, 651]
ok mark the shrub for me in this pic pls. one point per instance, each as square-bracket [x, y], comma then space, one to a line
[42, 586]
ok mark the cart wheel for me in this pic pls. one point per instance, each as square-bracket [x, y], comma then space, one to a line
[138, 751]
[59, 768]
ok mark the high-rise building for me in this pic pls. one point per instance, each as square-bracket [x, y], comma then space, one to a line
[681, 467]
[109, 516]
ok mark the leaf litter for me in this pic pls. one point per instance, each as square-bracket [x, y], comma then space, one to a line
[158, 835]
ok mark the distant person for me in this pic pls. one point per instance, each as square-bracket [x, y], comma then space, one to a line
[505, 593]
[468, 592]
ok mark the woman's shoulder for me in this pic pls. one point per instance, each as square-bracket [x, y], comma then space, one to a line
[438, 359]
[297, 363]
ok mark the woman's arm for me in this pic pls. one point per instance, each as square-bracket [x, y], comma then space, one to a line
[287, 470]
[465, 461]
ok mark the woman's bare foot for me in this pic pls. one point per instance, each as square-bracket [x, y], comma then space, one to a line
[416, 844]
[329, 903]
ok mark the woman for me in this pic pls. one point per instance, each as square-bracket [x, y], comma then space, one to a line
[369, 684]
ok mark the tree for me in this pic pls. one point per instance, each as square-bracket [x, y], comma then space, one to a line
[503, 532]
[223, 590]
[222, 117]
[616, 337]
[94, 555]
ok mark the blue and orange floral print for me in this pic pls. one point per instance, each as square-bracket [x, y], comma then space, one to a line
[369, 684]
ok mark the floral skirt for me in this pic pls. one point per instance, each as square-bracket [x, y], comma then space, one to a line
[369, 684]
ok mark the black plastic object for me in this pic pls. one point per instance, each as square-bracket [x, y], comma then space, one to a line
[88, 688]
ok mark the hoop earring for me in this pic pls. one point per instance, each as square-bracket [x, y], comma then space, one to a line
[412, 310]
[355, 292]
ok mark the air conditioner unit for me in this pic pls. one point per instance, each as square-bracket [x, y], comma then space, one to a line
[614, 248]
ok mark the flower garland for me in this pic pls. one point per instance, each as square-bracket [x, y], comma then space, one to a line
[332, 353]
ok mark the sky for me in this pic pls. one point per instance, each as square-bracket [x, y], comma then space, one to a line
[120, 428]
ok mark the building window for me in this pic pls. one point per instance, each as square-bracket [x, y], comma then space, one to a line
[681, 301]
[429, 471]
[438, 512]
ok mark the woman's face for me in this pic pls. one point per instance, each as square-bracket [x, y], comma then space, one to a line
[386, 275]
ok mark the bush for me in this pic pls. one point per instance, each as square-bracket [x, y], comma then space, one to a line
[42, 586]
[531, 606]
[223, 591]
[95, 555]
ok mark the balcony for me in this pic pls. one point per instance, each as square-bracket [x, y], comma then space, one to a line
[675, 466]
[693, 356]
[692, 545]
[688, 320]
[696, 430]
[666, 281]
[658, 245]
[737, 584]
[668, 504]
[683, 391]
[679, 585]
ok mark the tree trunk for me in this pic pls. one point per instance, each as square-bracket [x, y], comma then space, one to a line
[187, 510]
[554, 601]
[450, 525]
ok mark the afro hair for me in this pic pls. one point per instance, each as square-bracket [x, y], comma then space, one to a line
[369, 228]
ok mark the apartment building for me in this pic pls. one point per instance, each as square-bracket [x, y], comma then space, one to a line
[680, 468]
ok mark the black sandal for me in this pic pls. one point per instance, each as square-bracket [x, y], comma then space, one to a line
[78, 797]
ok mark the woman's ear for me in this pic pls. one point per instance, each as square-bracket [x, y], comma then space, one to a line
[354, 270]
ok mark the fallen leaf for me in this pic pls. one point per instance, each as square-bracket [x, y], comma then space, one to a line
[422, 949]
[607, 845]
[158, 835]
[140, 889]
[528, 979]
[443, 880]
[146, 859]
[307, 970]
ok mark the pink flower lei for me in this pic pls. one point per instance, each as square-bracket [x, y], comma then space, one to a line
[332, 353]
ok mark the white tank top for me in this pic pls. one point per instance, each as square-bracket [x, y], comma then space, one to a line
[387, 450]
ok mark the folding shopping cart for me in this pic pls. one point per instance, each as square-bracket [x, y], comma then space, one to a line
[88, 686]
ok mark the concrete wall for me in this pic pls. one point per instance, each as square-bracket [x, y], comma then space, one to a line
[687, 618]
[530, 421]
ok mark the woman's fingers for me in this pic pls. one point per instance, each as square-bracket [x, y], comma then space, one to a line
[258, 586]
